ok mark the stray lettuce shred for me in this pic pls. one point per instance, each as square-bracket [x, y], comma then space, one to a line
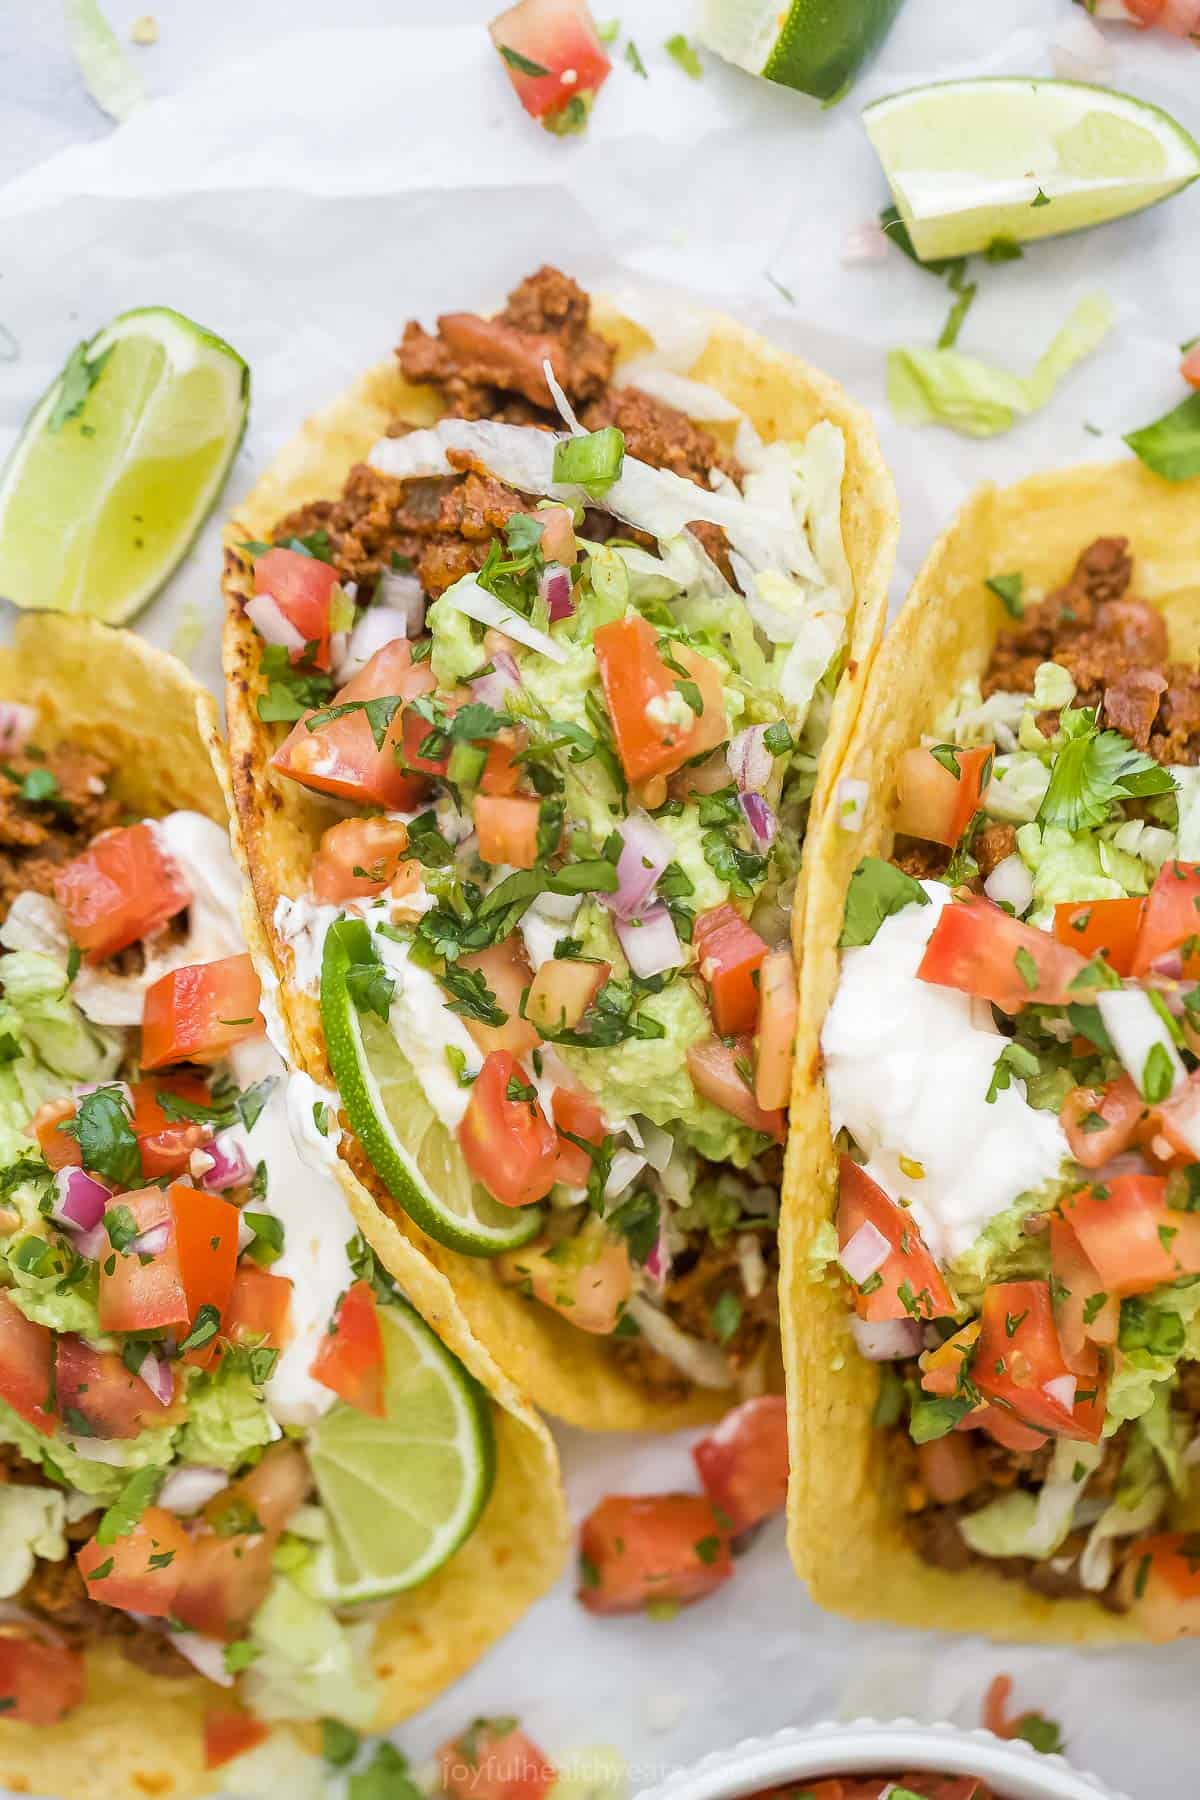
[947, 387]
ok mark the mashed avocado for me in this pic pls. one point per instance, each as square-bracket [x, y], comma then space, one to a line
[1004, 1250]
[31, 1525]
[458, 651]
[104, 1480]
[44, 1291]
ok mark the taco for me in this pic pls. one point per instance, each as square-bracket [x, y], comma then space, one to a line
[534, 681]
[202, 1365]
[992, 1274]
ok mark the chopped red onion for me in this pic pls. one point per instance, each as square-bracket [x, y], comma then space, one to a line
[151, 1242]
[190, 1487]
[761, 820]
[645, 852]
[554, 587]
[206, 1654]
[651, 943]
[1170, 964]
[267, 618]
[1010, 883]
[158, 1377]
[866, 243]
[230, 1164]
[865, 1253]
[750, 762]
[1062, 1389]
[93, 1244]
[16, 726]
[886, 1340]
[494, 687]
[81, 1199]
[658, 1263]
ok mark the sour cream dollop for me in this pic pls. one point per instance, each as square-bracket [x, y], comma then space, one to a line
[908, 1066]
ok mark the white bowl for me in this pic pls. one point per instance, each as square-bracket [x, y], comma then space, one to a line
[1015, 1769]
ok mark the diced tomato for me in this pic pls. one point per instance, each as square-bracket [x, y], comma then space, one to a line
[507, 974]
[508, 829]
[1085, 1313]
[716, 1069]
[40, 1682]
[509, 1144]
[206, 1244]
[59, 1150]
[562, 990]
[350, 1358]
[302, 588]
[980, 949]
[142, 1570]
[1131, 1237]
[225, 1581]
[166, 1145]
[654, 733]
[260, 1308]
[342, 758]
[635, 1551]
[26, 1367]
[1161, 1582]
[730, 954]
[358, 857]
[935, 803]
[1101, 1122]
[1019, 1353]
[1189, 368]
[167, 1287]
[775, 1041]
[943, 1369]
[1004, 1429]
[1107, 928]
[123, 887]
[910, 1265]
[229, 1732]
[272, 1491]
[578, 1114]
[197, 1013]
[415, 732]
[1177, 1120]
[743, 1462]
[1171, 920]
[95, 1387]
[587, 1278]
[558, 37]
[495, 1761]
[501, 772]
[947, 1468]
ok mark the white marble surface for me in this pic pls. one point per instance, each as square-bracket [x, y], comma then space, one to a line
[303, 180]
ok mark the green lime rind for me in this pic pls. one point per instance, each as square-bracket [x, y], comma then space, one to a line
[402, 1493]
[824, 44]
[410, 1149]
[115, 473]
[1018, 157]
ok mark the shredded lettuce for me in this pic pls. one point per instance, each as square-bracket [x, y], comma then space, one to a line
[31, 1525]
[1024, 1524]
[1017, 787]
[226, 1418]
[947, 387]
[1140, 1373]
[1076, 866]
[1003, 1251]
[309, 1665]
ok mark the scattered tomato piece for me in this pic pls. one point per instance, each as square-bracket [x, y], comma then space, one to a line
[230, 1732]
[495, 1760]
[123, 887]
[198, 1013]
[508, 1142]
[40, 1682]
[554, 57]
[743, 1462]
[665, 1548]
[350, 1359]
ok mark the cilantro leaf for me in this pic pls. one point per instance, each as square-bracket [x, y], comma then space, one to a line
[877, 890]
[103, 1129]
[292, 688]
[78, 379]
[129, 1505]
[1093, 771]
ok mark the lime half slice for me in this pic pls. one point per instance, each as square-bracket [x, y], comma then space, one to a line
[118, 466]
[815, 46]
[415, 1156]
[403, 1492]
[1014, 157]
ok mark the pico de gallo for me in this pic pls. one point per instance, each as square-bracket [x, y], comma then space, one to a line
[1013, 1067]
[561, 671]
[182, 1295]
[878, 1786]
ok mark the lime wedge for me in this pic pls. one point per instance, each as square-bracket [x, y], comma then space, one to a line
[415, 1156]
[1015, 157]
[118, 465]
[815, 46]
[402, 1493]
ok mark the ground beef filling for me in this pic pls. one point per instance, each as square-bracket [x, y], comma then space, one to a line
[1115, 648]
[492, 369]
[38, 835]
[55, 1593]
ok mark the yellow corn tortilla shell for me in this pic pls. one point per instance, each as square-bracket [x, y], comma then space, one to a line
[845, 1513]
[142, 1735]
[564, 1370]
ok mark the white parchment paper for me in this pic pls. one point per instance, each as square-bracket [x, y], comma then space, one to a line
[310, 177]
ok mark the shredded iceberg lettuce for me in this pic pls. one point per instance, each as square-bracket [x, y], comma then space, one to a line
[31, 1525]
[947, 387]
[309, 1664]
[1022, 1524]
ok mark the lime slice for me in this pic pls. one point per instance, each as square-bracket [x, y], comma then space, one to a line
[1014, 157]
[118, 465]
[816, 46]
[402, 1493]
[415, 1156]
